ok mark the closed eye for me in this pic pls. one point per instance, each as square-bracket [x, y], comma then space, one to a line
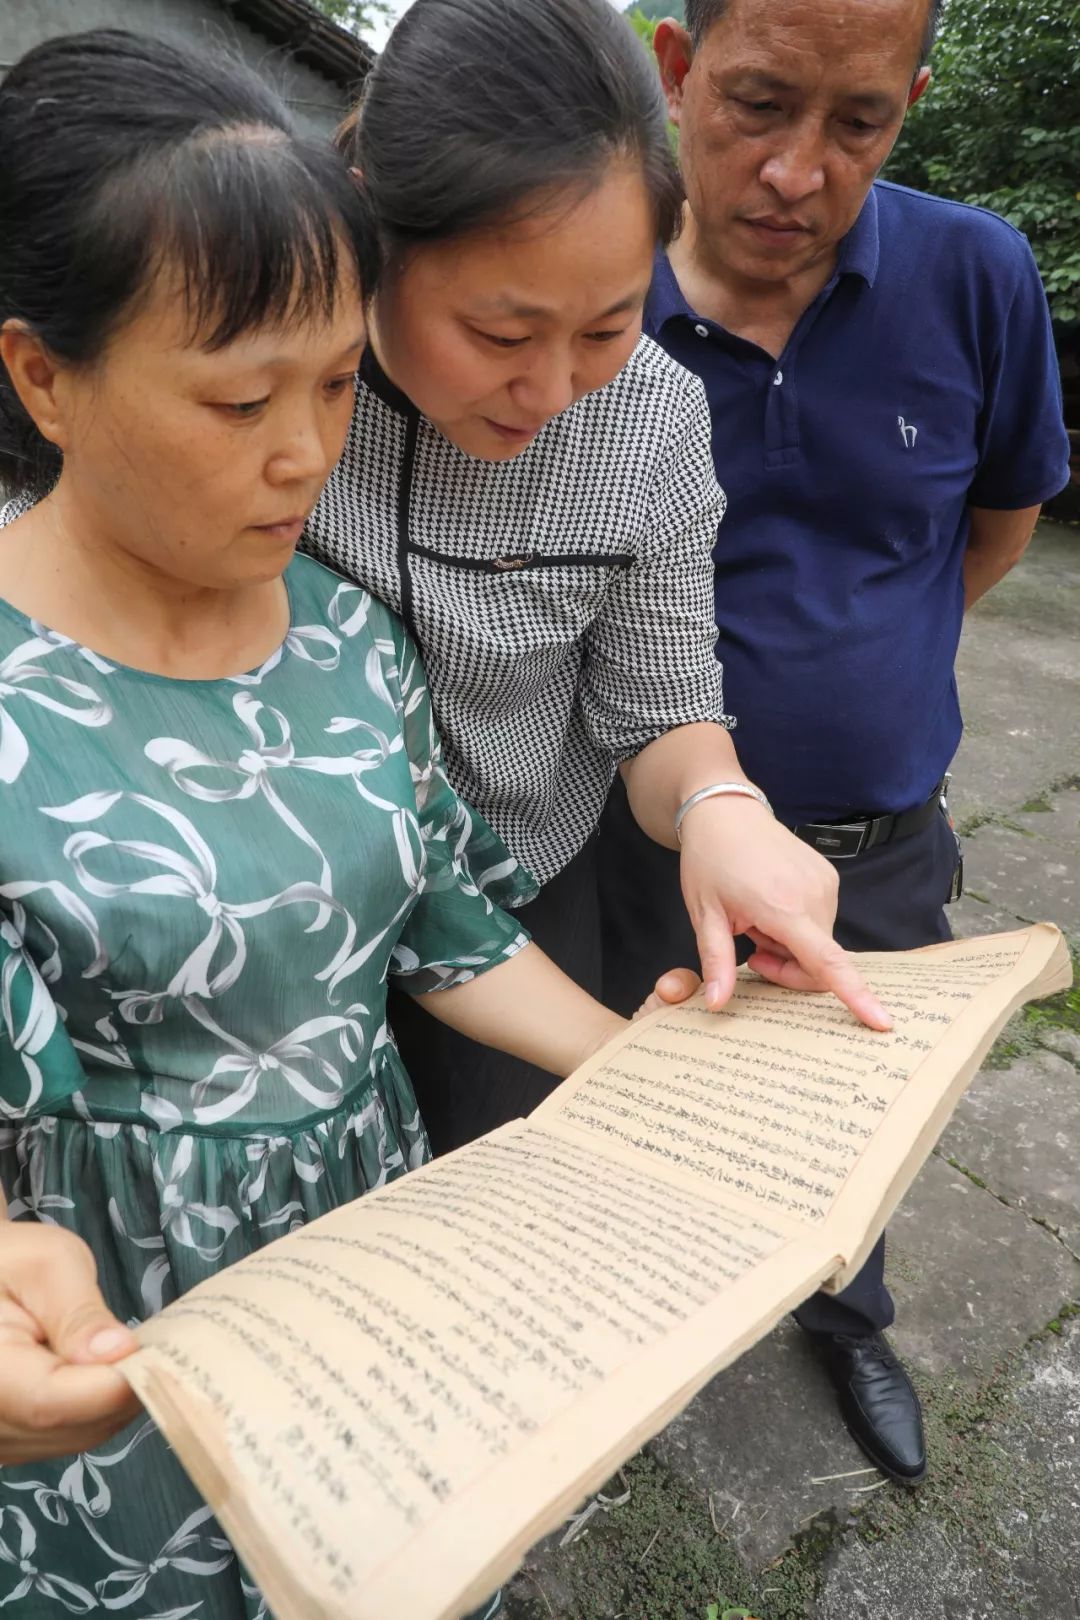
[606, 337]
[500, 342]
[758, 106]
[244, 409]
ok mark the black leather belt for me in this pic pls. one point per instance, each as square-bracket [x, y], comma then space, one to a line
[843, 840]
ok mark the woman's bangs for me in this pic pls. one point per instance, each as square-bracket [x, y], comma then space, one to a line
[254, 237]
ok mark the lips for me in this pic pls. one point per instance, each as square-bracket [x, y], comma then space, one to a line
[515, 433]
[284, 529]
[788, 227]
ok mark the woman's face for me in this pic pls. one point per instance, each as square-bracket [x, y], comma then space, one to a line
[204, 465]
[493, 334]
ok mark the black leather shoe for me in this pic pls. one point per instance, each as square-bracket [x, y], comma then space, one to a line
[878, 1403]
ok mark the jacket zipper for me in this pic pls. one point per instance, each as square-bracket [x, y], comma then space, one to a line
[524, 561]
[404, 503]
[407, 547]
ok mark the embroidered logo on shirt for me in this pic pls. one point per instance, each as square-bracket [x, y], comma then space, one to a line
[908, 434]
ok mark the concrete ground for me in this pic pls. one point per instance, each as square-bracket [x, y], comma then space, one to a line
[755, 1499]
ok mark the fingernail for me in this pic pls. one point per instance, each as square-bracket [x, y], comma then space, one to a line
[108, 1340]
[712, 992]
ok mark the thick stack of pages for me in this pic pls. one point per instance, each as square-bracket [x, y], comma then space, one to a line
[388, 1408]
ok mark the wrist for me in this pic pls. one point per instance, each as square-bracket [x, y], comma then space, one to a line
[735, 792]
[613, 1025]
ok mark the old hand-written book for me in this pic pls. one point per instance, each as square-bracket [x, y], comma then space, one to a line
[388, 1408]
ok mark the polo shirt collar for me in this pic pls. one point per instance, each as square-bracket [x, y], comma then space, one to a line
[861, 247]
[665, 298]
[859, 254]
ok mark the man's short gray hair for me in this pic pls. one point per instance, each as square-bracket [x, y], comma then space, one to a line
[701, 14]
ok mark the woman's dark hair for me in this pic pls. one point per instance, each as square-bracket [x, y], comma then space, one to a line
[477, 109]
[120, 155]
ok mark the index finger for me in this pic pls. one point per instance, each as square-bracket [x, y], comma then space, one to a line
[819, 963]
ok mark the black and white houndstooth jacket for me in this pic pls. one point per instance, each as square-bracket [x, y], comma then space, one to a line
[563, 601]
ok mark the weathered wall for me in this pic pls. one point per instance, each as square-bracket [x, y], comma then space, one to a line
[317, 101]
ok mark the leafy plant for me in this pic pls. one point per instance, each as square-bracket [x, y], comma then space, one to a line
[355, 15]
[999, 128]
[655, 11]
[644, 27]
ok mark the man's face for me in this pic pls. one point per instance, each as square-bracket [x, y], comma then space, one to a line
[786, 112]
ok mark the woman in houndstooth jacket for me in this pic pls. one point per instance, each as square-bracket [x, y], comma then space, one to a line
[530, 483]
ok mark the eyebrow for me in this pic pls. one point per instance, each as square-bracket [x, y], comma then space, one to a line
[531, 312]
[279, 360]
[870, 100]
[751, 80]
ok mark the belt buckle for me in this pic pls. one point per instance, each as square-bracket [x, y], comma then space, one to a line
[838, 841]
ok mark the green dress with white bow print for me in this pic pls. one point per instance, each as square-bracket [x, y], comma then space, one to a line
[203, 888]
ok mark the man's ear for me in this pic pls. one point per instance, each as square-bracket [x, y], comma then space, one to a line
[674, 53]
[918, 85]
[36, 378]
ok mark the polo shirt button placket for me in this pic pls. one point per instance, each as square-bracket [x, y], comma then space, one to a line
[781, 418]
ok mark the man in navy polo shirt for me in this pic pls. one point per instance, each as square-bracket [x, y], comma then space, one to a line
[886, 422]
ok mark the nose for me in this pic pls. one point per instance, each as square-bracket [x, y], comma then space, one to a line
[796, 169]
[305, 451]
[547, 387]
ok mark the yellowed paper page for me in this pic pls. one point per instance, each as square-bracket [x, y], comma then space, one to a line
[788, 1106]
[979, 984]
[400, 1398]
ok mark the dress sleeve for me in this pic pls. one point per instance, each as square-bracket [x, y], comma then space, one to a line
[651, 662]
[39, 1067]
[457, 929]
[1023, 445]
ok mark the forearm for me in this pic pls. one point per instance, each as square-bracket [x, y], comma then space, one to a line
[530, 1009]
[996, 543]
[665, 774]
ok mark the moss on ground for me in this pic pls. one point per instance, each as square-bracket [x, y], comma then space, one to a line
[1039, 803]
[990, 818]
[976, 1180]
[660, 1557]
[974, 1487]
[1056, 1326]
[1057, 1012]
[1025, 1033]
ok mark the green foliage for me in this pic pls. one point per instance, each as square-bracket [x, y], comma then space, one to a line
[355, 15]
[655, 11]
[644, 27]
[1000, 127]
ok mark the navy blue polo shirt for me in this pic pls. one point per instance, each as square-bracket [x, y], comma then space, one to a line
[920, 381]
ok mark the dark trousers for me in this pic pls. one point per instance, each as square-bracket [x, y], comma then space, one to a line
[891, 899]
[465, 1090]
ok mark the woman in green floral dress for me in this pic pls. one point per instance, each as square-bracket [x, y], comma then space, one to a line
[225, 820]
